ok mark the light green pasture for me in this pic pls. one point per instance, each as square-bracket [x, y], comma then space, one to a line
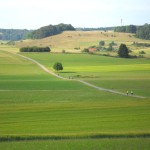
[108, 72]
[34, 103]
[88, 144]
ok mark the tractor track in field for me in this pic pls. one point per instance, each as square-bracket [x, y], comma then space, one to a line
[81, 81]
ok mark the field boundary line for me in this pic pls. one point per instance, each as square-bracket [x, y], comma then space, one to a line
[9, 138]
[81, 81]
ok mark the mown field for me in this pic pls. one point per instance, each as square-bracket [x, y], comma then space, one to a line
[36, 105]
[108, 72]
[82, 144]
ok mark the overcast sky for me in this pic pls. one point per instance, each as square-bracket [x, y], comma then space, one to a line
[33, 14]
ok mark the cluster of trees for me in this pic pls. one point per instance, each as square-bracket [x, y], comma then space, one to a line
[50, 30]
[126, 29]
[143, 32]
[101, 47]
[110, 47]
[123, 51]
[141, 44]
[35, 49]
[18, 34]
[96, 29]
[13, 34]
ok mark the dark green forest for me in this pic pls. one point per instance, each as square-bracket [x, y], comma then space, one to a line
[50, 30]
[126, 29]
[142, 32]
[16, 34]
[13, 34]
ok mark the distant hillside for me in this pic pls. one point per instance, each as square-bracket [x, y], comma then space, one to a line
[13, 34]
[142, 32]
[50, 30]
[78, 40]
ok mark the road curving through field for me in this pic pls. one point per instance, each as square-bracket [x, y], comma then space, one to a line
[81, 81]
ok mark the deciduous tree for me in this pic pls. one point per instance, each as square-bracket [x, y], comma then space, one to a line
[58, 66]
[123, 51]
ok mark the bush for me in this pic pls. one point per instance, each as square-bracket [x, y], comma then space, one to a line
[110, 48]
[63, 51]
[86, 50]
[142, 52]
[123, 51]
[113, 43]
[35, 49]
[101, 43]
[77, 48]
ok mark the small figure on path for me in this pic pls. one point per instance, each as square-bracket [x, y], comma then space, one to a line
[131, 92]
[127, 92]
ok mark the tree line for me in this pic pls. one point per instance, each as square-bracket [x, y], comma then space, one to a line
[96, 29]
[126, 29]
[50, 30]
[142, 32]
[35, 49]
[13, 34]
[18, 34]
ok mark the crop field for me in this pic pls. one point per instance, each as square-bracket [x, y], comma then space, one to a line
[35, 105]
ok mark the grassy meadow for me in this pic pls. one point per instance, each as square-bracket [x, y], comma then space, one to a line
[129, 74]
[88, 144]
[36, 105]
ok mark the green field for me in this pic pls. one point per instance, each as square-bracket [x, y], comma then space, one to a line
[88, 144]
[37, 105]
[129, 74]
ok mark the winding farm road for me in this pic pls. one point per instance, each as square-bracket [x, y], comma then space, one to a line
[81, 81]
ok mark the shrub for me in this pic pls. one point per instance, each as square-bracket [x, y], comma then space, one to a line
[142, 52]
[86, 50]
[101, 43]
[123, 51]
[63, 51]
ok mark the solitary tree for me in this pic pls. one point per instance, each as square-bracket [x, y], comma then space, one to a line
[123, 51]
[58, 66]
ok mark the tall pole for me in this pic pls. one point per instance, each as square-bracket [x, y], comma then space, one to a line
[121, 21]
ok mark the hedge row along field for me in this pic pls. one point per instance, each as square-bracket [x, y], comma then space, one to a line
[35, 49]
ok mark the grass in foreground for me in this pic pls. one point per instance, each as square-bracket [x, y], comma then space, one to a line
[84, 144]
[113, 73]
[35, 103]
